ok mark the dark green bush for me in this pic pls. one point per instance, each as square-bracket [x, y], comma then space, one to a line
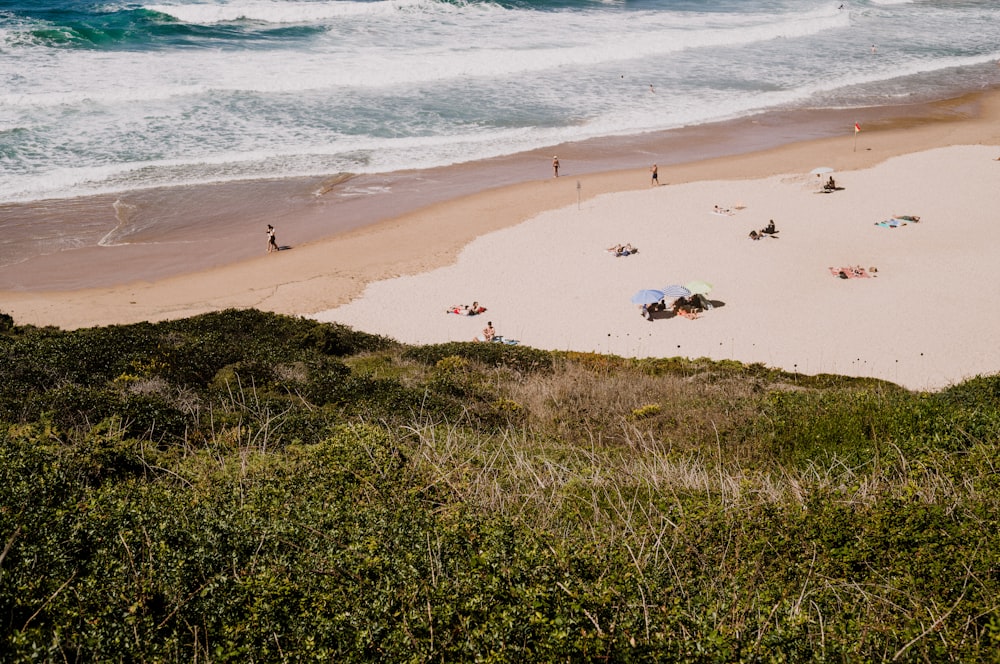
[520, 358]
[237, 487]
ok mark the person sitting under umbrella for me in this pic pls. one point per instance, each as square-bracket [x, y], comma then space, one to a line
[686, 307]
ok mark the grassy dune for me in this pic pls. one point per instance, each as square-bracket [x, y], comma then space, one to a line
[242, 486]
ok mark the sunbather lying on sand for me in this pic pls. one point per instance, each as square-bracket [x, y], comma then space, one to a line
[465, 309]
[622, 249]
[850, 272]
[686, 308]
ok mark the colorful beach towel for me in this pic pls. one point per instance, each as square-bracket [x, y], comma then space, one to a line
[891, 223]
[898, 220]
[856, 272]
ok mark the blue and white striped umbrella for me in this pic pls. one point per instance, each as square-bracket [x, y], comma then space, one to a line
[675, 291]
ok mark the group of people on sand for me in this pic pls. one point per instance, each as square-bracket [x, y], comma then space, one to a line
[489, 332]
[767, 231]
[853, 272]
[689, 307]
[465, 309]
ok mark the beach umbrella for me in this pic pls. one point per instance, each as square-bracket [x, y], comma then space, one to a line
[699, 287]
[676, 290]
[821, 170]
[647, 296]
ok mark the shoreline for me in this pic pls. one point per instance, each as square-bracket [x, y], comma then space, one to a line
[147, 236]
[328, 271]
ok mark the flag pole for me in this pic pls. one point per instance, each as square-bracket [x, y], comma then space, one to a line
[856, 130]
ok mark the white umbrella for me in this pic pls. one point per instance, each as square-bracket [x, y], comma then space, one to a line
[699, 287]
[820, 170]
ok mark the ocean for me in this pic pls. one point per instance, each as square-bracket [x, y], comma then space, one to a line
[106, 96]
[124, 123]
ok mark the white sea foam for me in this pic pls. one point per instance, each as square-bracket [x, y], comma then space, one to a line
[395, 84]
[290, 12]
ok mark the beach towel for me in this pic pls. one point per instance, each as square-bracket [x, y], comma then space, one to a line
[849, 272]
[891, 223]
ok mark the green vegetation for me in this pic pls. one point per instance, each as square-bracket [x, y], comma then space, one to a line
[242, 486]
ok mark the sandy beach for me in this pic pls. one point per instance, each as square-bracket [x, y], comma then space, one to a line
[926, 318]
[533, 253]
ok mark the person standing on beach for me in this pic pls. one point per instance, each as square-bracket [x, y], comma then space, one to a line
[272, 243]
[555, 167]
[654, 178]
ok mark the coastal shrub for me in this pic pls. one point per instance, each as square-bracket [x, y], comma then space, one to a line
[248, 373]
[849, 425]
[74, 407]
[520, 358]
[978, 392]
[240, 492]
[389, 400]
[327, 380]
[6, 323]
[648, 410]
[241, 326]
[341, 340]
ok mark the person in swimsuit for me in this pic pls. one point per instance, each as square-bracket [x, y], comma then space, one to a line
[655, 179]
[272, 243]
[555, 167]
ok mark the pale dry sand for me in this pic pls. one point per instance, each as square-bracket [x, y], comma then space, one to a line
[930, 318]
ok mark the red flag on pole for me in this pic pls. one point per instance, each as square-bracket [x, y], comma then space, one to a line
[857, 127]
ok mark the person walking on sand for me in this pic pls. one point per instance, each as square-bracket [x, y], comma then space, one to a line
[654, 178]
[272, 243]
[555, 167]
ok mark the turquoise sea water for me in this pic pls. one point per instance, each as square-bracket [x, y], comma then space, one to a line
[107, 96]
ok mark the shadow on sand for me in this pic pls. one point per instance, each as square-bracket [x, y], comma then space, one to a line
[665, 313]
